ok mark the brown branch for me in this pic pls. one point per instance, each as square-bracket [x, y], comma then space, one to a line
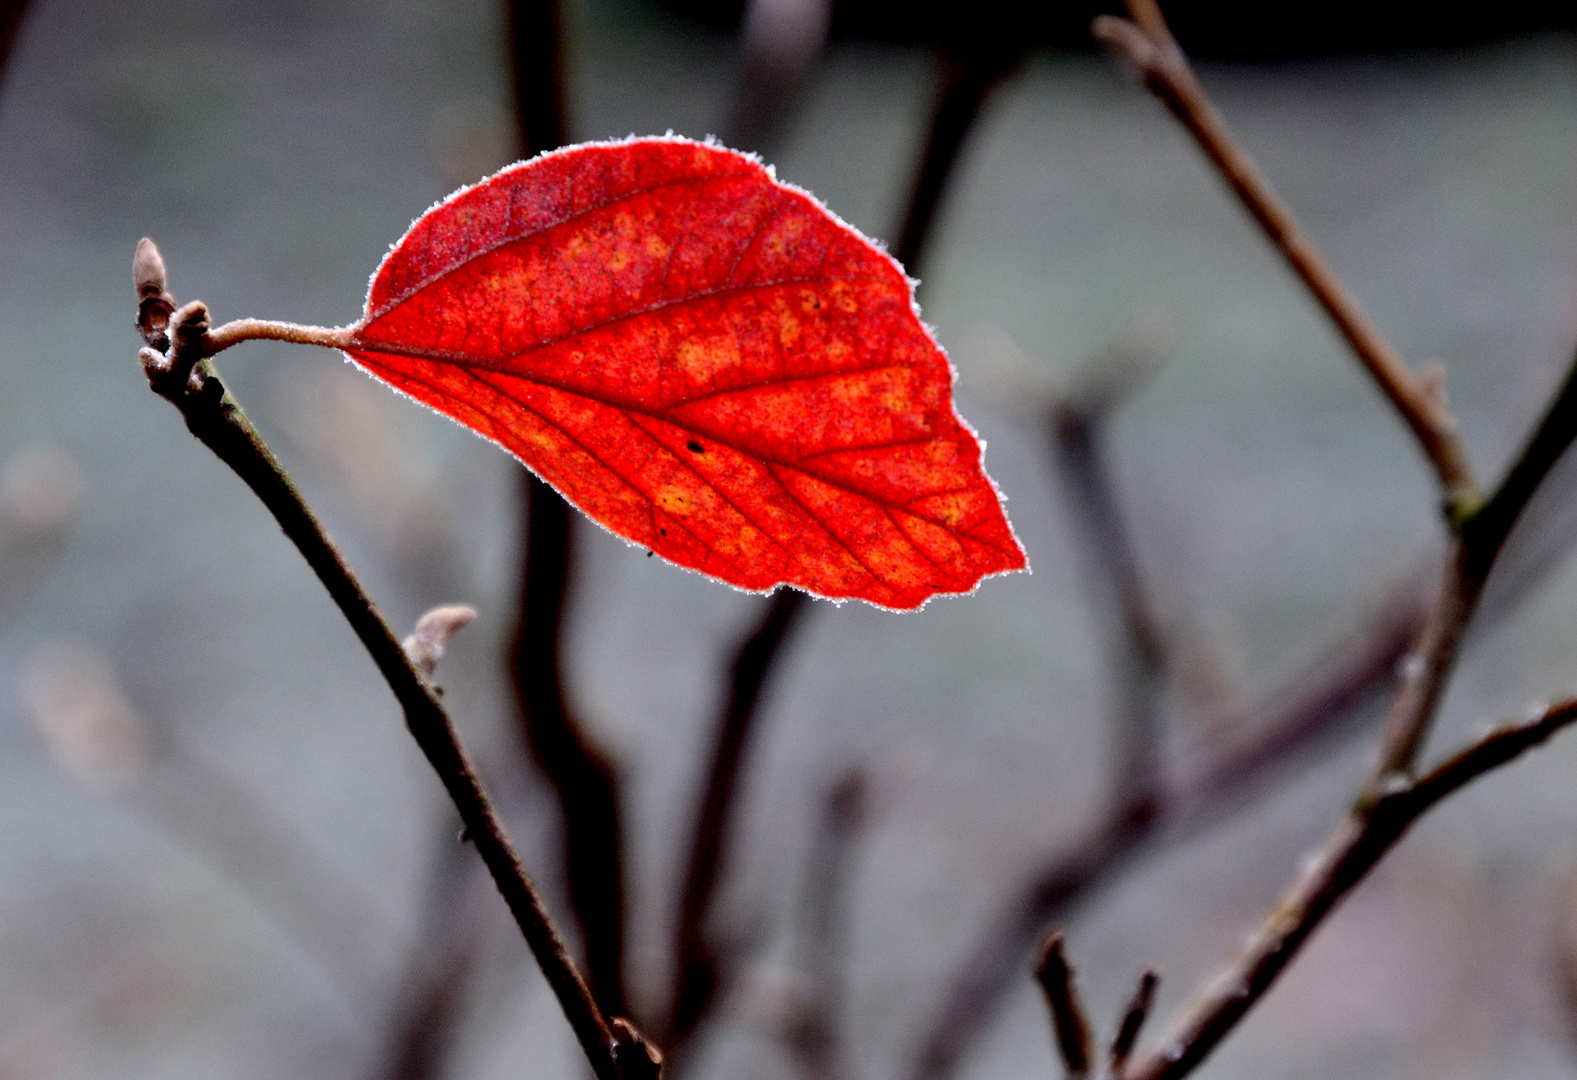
[1309, 707]
[1119, 597]
[1069, 1020]
[584, 776]
[184, 376]
[1147, 45]
[1357, 844]
[698, 965]
[1391, 800]
[814, 1033]
[1132, 1020]
[967, 79]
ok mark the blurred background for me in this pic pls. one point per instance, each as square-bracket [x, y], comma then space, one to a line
[220, 853]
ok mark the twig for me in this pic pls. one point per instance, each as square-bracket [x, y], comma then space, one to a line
[583, 775]
[183, 375]
[780, 45]
[814, 1034]
[1310, 706]
[1069, 1020]
[1357, 844]
[1481, 535]
[697, 964]
[1134, 639]
[1148, 46]
[967, 79]
[1132, 1020]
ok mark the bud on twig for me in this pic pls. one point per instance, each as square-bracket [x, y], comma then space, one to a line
[427, 642]
[154, 302]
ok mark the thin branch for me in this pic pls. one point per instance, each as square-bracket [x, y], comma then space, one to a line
[1071, 1023]
[697, 965]
[584, 776]
[1135, 644]
[1148, 46]
[814, 1033]
[1357, 844]
[1481, 535]
[184, 376]
[967, 79]
[1311, 706]
[1132, 1020]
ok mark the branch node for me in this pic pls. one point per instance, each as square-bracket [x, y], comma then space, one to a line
[633, 1053]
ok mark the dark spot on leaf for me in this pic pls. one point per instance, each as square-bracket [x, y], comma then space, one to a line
[663, 531]
[697, 447]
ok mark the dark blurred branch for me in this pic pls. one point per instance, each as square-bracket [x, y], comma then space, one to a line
[698, 965]
[583, 774]
[1069, 1020]
[815, 1035]
[1147, 45]
[179, 371]
[967, 79]
[1134, 646]
[1311, 706]
[1132, 1021]
[781, 42]
[1351, 851]
[537, 65]
[12, 13]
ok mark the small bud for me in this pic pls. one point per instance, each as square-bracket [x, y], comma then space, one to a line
[154, 303]
[428, 641]
[147, 270]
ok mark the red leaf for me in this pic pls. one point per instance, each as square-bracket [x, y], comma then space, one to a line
[705, 361]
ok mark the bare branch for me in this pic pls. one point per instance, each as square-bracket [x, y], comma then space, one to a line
[1071, 1023]
[814, 1034]
[1148, 46]
[697, 964]
[1357, 844]
[584, 775]
[1314, 703]
[186, 378]
[1132, 1021]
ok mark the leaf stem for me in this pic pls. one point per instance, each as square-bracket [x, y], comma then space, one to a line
[234, 333]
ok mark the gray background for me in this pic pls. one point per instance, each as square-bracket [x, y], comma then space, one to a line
[275, 151]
